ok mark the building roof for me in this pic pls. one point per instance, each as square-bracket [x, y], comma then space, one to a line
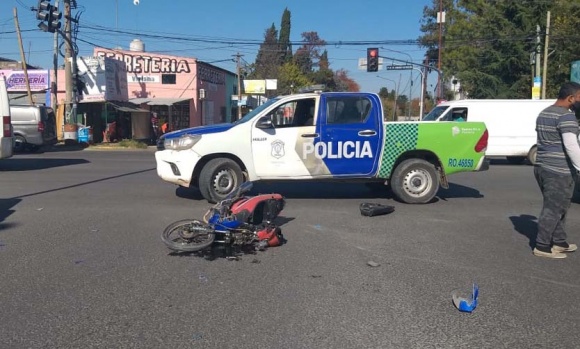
[158, 101]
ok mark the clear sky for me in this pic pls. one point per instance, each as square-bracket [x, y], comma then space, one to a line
[207, 24]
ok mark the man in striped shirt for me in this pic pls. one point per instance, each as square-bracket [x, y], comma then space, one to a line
[558, 162]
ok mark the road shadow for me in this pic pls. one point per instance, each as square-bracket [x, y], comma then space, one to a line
[335, 190]
[322, 190]
[188, 193]
[527, 225]
[6, 210]
[57, 148]
[304, 190]
[23, 164]
[219, 250]
[504, 161]
[458, 191]
[84, 183]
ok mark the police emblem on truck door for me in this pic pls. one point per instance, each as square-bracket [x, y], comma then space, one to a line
[277, 149]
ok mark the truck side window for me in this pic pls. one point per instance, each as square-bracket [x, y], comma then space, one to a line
[459, 114]
[294, 114]
[347, 110]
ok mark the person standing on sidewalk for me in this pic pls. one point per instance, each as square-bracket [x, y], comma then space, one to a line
[558, 163]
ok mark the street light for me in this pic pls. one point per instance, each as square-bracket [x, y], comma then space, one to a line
[396, 94]
[421, 102]
[410, 79]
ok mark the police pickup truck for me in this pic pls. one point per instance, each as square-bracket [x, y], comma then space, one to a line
[322, 136]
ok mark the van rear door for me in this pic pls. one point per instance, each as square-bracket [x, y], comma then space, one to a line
[6, 142]
[49, 123]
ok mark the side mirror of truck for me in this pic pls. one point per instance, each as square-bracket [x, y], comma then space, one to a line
[265, 122]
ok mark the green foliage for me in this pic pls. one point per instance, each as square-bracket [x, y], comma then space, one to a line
[308, 65]
[487, 44]
[267, 59]
[291, 78]
[131, 143]
[284, 39]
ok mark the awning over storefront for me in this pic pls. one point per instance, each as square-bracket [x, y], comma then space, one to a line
[158, 101]
[139, 100]
[127, 107]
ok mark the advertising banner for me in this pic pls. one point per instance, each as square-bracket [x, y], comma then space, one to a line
[254, 86]
[102, 79]
[16, 81]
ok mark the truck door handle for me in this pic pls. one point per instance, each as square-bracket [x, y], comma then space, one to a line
[310, 135]
[367, 133]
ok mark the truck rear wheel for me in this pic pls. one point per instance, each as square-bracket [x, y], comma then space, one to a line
[415, 181]
[532, 155]
[218, 178]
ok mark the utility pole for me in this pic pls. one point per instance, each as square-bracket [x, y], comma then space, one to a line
[397, 97]
[538, 53]
[424, 82]
[238, 72]
[440, 19]
[24, 67]
[68, 62]
[53, 78]
[545, 70]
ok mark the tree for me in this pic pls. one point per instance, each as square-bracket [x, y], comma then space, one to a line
[303, 61]
[487, 44]
[267, 59]
[344, 82]
[308, 55]
[324, 75]
[565, 21]
[384, 93]
[291, 78]
[284, 39]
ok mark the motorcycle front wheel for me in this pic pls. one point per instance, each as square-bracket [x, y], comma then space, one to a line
[188, 235]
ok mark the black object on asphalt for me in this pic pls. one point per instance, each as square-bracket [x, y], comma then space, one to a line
[372, 209]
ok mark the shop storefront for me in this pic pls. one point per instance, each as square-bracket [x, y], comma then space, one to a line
[180, 91]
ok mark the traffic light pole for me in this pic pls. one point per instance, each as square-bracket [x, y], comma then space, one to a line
[423, 76]
[68, 64]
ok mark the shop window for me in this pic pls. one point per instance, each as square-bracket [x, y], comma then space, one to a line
[168, 79]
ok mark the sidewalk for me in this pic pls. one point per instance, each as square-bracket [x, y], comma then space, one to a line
[61, 146]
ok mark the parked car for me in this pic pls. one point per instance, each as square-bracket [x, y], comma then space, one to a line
[34, 127]
[6, 140]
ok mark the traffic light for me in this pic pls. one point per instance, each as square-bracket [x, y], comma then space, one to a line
[43, 10]
[49, 14]
[54, 22]
[372, 59]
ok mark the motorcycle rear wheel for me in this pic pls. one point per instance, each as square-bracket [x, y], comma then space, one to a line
[188, 235]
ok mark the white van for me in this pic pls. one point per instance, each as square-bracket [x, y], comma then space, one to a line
[511, 123]
[6, 141]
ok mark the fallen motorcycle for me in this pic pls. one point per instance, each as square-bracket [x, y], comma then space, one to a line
[238, 220]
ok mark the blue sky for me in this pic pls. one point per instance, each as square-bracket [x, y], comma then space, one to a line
[334, 20]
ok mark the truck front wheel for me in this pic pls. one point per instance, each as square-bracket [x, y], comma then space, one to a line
[415, 181]
[218, 178]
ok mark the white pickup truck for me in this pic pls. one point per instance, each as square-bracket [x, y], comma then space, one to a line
[327, 136]
[6, 139]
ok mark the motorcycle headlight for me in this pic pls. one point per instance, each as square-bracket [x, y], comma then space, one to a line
[181, 143]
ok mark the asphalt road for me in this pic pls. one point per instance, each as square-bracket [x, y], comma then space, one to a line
[82, 265]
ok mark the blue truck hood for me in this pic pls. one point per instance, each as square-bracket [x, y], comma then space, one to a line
[199, 130]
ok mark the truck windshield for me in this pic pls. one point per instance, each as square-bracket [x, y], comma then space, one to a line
[256, 111]
[435, 113]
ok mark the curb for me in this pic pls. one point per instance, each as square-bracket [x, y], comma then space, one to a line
[79, 147]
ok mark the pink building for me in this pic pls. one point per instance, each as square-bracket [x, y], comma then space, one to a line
[181, 91]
